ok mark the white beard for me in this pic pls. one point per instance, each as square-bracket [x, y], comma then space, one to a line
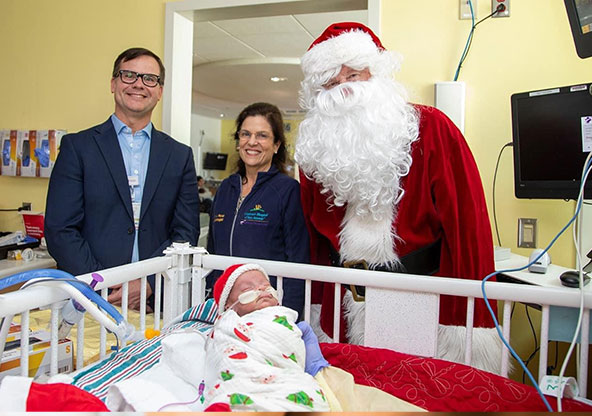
[356, 142]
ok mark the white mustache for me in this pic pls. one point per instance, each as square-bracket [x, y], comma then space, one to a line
[345, 96]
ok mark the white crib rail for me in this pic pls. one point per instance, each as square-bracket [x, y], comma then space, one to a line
[506, 292]
[53, 297]
[185, 269]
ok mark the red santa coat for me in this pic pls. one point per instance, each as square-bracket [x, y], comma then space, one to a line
[443, 199]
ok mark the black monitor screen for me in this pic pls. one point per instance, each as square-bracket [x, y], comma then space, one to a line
[552, 136]
[579, 13]
[215, 161]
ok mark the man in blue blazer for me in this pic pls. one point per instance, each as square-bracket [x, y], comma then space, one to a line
[122, 191]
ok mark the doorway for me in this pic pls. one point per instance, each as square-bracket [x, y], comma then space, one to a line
[243, 24]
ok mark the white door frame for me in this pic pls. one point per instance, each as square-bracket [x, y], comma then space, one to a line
[178, 57]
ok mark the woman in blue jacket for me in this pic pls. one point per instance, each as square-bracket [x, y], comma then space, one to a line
[256, 212]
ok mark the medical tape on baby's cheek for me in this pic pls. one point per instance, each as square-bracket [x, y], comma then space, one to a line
[252, 295]
[248, 296]
[272, 292]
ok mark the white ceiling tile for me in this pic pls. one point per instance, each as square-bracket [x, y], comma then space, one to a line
[198, 59]
[229, 87]
[258, 25]
[207, 30]
[249, 83]
[280, 44]
[223, 48]
[316, 23]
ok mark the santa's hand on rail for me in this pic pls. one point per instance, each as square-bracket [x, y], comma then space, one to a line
[134, 293]
[315, 361]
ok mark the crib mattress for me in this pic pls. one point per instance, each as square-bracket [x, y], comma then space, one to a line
[432, 384]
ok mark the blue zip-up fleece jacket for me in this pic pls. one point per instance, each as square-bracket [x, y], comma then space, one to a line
[269, 225]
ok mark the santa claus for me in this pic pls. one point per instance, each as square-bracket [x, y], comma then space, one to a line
[389, 185]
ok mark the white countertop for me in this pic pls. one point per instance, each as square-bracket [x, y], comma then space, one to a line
[9, 267]
[549, 279]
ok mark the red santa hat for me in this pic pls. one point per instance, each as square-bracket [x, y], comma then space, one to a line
[348, 43]
[224, 284]
[342, 44]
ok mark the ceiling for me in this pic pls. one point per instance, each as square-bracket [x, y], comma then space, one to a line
[235, 58]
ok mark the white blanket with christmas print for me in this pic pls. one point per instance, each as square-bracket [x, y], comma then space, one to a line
[256, 363]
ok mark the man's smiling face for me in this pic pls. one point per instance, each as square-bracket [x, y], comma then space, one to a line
[136, 100]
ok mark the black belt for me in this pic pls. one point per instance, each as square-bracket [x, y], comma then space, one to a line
[424, 261]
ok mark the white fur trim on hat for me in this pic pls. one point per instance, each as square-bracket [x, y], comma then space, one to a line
[352, 46]
[355, 49]
[232, 279]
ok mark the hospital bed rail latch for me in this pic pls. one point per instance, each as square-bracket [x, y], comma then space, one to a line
[358, 292]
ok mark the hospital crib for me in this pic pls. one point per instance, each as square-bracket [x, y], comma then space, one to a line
[401, 310]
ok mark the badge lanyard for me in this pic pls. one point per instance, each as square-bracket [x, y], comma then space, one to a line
[134, 182]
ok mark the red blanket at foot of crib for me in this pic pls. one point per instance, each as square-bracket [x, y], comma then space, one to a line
[438, 385]
[19, 394]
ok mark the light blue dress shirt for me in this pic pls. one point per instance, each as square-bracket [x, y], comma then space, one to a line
[135, 149]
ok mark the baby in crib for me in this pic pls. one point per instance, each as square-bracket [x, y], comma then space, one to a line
[256, 355]
[259, 359]
[256, 358]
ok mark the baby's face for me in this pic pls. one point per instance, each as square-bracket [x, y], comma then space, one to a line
[251, 280]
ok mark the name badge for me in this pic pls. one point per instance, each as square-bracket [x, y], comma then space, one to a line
[136, 208]
[133, 180]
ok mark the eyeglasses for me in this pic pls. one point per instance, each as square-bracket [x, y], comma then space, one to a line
[259, 136]
[129, 77]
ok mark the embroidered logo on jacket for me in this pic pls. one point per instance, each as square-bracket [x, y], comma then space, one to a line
[255, 216]
[219, 218]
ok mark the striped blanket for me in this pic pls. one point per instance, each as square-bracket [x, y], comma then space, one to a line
[142, 355]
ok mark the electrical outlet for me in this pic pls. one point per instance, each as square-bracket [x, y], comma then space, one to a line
[25, 206]
[465, 9]
[527, 232]
[504, 8]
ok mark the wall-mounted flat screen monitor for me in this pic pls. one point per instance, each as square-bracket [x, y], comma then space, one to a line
[579, 13]
[552, 136]
[215, 161]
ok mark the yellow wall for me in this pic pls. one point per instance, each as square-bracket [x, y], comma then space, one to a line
[228, 145]
[57, 58]
[531, 49]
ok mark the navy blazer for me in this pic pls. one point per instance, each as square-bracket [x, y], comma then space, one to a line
[268, 225]
[89, 222]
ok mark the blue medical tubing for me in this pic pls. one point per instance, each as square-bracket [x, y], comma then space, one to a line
[489, 276]
[92, 285]
[465, 51]
[499, 332]
[68, 278]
